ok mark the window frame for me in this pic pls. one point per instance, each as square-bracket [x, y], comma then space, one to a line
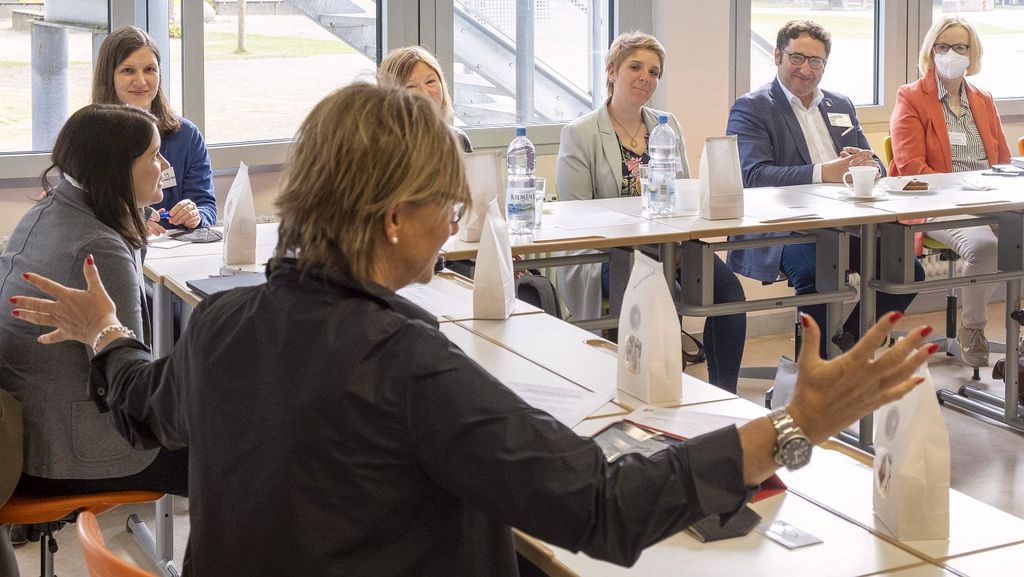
[426, 22]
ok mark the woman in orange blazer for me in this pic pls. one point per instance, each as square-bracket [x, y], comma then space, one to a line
[923, 141]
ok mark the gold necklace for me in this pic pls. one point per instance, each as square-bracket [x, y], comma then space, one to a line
[632, 137]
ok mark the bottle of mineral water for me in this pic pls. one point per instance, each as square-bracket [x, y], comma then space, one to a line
[661, 189]
[520, 200]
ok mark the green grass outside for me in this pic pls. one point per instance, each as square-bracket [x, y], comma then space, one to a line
[222, 45]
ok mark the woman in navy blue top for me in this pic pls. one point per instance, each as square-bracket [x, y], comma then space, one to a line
[128, 72]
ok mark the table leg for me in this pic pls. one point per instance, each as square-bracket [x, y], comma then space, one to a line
[868, 252]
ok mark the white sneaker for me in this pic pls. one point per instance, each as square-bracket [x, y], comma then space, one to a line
[973, 346]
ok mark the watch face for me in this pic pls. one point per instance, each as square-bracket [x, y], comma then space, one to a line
[796, 453]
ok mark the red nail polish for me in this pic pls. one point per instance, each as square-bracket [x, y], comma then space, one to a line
[15, 313]
[895, 317]
[24, 275]
[932, 348]
[12, 300]
[926, 331]
[89, 260]
[918, 380]
[804, 320]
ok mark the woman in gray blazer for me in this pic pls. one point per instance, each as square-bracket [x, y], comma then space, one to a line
[599, 156]
[109, 163]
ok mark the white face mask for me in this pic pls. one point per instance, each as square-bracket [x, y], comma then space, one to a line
[951, 65]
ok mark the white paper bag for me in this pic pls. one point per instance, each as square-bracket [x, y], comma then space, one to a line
[486, 183]
[912, 465]
[650, 345]
[721, 181]
[240, 221]
[494, 286]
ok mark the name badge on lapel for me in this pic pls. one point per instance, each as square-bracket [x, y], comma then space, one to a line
[840, 119]
[167, 179]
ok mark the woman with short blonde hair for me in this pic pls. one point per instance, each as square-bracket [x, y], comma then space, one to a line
[600, 155]
[943, 123]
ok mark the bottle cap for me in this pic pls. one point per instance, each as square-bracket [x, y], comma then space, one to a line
[663, 119]
[520, 131]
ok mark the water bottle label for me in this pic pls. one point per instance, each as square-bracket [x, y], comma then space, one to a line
[521, 203]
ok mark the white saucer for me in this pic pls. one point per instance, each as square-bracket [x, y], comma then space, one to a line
[864, 198]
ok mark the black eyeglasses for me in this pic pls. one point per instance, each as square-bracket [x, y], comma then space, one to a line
[458, 209]
[797, 59]
[960, 49]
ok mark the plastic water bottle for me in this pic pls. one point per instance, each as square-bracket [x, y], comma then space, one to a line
[520, 200]
[661, 189]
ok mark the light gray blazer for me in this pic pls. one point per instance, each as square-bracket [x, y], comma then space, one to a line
[66, 437]
[590, 166]
[589, 160]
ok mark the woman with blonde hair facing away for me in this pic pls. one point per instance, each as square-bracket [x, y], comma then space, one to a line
[599, 156]
[128, 72]
[325, 395]
[414, 68]
[942, 123]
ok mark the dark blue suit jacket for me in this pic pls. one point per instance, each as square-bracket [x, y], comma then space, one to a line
[773, 152]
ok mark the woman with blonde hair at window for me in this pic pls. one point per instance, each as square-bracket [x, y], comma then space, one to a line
[128, 72]
[415, 68]
[599, 156]
[942, 123]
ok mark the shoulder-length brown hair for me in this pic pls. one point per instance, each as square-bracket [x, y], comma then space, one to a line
[97, 147]
[117, 46]
[362, 150]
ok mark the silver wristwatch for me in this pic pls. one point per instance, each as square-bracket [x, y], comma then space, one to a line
[792, 447]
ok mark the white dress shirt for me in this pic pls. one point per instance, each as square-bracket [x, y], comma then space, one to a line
[816, 134]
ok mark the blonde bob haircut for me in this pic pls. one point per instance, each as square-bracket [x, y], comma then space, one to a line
[623, 47]
[396, 67]
[926, 60]
[362, 150]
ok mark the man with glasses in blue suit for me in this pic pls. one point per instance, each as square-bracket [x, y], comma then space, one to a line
[791, 132]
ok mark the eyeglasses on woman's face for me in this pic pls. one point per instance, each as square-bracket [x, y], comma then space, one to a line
[960, 49]
[458, 209]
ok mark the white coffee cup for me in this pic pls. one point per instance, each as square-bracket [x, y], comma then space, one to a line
[863, 180]
[687, 194]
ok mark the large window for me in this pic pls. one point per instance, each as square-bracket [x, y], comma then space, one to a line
[1000, 24]
[40, 87]
[564, 78]
[851, 68]
[266, 68]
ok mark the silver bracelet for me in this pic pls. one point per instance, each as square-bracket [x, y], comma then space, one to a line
[127, 332]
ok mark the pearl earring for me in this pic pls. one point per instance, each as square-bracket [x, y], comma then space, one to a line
[394, 240]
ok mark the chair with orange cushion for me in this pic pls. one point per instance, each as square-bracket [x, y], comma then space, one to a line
[100, 560]
[46, 515]
[1020, 145]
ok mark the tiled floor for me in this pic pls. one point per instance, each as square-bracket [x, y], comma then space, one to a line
[987, 459]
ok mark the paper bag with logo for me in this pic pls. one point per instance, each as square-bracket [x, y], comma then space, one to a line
[240, 221]
[494, 286]
[486, 183]
[650, 346]
[912, 465]
[721, 182]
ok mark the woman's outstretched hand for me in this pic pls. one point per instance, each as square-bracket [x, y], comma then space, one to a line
[77, 315]
[830, 395]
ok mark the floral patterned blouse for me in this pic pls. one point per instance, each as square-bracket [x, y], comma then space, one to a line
[631, 162]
